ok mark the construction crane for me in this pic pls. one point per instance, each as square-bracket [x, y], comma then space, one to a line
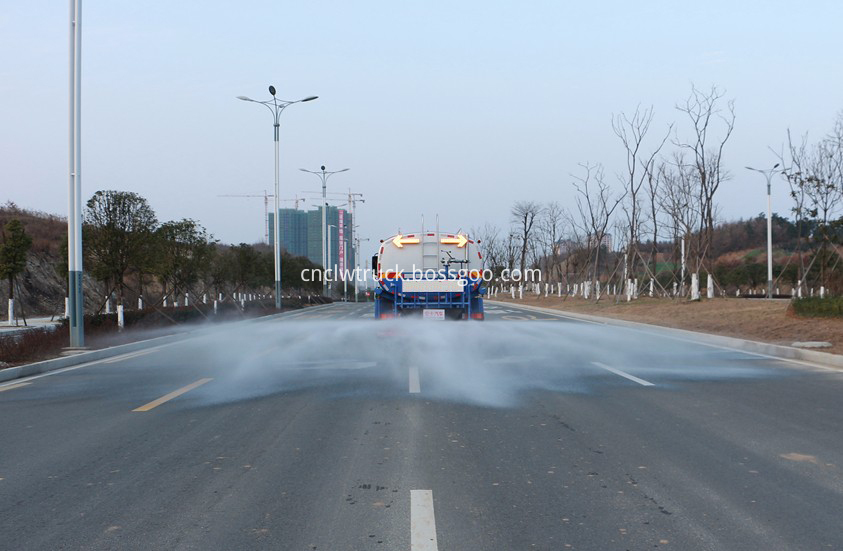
[266, 197]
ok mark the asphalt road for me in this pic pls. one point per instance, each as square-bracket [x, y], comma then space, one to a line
[325, 430]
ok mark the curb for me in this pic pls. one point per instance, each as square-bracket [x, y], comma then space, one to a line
[755, 347]
[45, 366]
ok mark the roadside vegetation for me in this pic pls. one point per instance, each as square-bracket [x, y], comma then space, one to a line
[654, 229]
[130, 255]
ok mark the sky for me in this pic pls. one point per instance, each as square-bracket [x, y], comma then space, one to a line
[455, 109]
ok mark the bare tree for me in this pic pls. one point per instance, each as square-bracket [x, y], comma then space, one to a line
[795, 160]
[491, 247]
[679, 200]
[524, 216]
[596, 202]
[703, 109]
[632, 133]
[551, 224]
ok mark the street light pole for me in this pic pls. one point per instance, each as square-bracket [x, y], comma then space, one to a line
[333, 275]
[768, 174]
[76, 302]
[276, 107]
[323, 176]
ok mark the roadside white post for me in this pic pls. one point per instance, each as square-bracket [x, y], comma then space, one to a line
[512, 291]
[545, 290]
[120, 321]
[628, 290]
[204, 298]
[140, 303]
[651, 288]
[695, 286]
[675, 285]
[799, 290]
[709, 284]
[66, 307]
[635, 289]
[165, 301]
[186, 299]
[520, 291]
[559, 290]
[220, 297]
[215, 307]
[11, 311]
[822, 291]
[107, 305]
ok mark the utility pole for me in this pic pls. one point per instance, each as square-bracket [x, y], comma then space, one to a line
[76, 301]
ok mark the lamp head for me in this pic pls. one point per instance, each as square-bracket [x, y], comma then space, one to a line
[272, 90]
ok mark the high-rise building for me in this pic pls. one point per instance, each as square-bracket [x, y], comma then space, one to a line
[301, 234]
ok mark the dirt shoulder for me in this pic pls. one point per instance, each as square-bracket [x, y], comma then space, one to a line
[755, 319]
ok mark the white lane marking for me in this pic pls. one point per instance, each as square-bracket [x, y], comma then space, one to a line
[415, 386]
[74, 367]
[623, 374]
[129, 356]
[422, 521]
[660, 331]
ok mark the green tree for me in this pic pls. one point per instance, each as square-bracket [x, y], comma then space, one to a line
[13, 251]
[185, 250]
[118, 229]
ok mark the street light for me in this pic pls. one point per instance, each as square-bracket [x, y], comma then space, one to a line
[324, 175]
[333, 275]
[276, 107]
[769, 175]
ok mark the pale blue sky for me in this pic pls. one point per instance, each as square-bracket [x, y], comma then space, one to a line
[455, 108]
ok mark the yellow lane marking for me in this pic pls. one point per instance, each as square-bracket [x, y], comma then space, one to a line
[10, 387]
[173, 394]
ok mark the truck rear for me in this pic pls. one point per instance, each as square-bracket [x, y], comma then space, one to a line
[429, 274]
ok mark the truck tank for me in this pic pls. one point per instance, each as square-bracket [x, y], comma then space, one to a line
[429, 274]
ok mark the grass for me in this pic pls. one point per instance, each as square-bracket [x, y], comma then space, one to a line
[830, 307]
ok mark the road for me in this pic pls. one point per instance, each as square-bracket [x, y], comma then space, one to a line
[325, 430]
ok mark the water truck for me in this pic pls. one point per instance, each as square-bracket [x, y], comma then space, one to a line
[434, 275]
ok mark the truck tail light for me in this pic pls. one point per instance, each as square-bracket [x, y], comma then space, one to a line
[477, 315]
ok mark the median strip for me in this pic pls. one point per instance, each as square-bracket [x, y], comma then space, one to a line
[173, 394]
[623, 374]
[422, 521]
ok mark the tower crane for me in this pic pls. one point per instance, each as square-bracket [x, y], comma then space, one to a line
[266, 197]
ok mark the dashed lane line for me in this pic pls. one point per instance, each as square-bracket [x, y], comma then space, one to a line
[10, 387]
[623, 374]
[422, 521]
[415, 386]
[173, 394]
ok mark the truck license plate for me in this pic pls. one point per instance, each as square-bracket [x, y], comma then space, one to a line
[434, 314]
